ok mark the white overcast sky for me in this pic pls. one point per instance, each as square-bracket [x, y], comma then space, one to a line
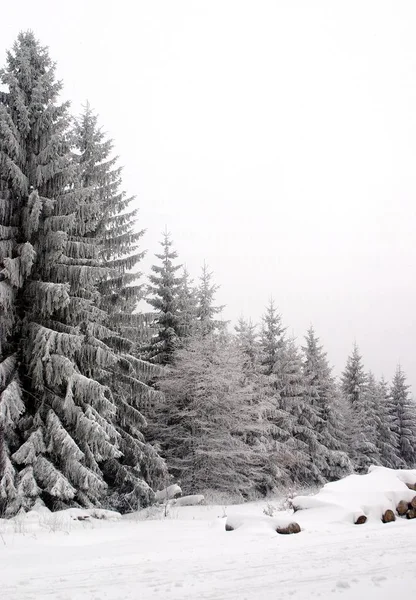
[275, 139]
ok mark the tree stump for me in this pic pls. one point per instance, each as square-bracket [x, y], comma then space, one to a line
[361, 520]
[388, 516]
[402, 508]
[291, 528]
[411, 513]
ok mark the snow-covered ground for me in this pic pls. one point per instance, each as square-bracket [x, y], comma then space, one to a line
[190, 556]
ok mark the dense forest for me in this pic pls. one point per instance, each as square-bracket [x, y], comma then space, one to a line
[102, 404]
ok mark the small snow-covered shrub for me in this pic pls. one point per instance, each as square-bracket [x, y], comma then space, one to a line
[269, 510]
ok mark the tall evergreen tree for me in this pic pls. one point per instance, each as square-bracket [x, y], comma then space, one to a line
[248, 344]
[164, 296]
[309, 454]
[110, 227]
[387, 429]
[363, 450]
[272, 340]
[321, 393]
[206, 311]
[208, 419]
[187, 306]
[60, 430]
[283, 458]
[404, 409]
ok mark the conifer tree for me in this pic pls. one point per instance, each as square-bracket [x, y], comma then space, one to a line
[272, 340]
[264, 437]
[164, 296]
[405, 409]
[309, 454]
[110, 226]
[206, 310]
[280, 447]
[248, 344]
[387, 429]
[363, 450]
[321, 393]
[208, 419]
[60, 430]
[187, 306]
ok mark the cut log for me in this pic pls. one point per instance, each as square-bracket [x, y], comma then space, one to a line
[388, 516]
[291, 528]
[411, 513]
[412, 503]
[402, 508]
[361, 520]
[411, 486]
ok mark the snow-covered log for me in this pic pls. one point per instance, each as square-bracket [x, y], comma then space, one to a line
[360, 520]
[193, 500]
[402, 508]
[388, 516]
[283, 524]
[169, 493]
[411, 513]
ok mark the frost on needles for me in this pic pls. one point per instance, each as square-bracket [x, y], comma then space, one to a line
[71, 433]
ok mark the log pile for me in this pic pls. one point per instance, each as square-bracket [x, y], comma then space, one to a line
[405, 508]
[381, 494]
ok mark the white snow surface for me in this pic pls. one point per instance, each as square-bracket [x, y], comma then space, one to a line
[190, 556]
[370, 494]
[258, 522]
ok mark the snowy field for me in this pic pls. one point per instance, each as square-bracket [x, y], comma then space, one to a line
[189, 555]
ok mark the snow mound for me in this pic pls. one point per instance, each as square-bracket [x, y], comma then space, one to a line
[172, 491]
[359, 496]
[74, 514]
[283, 524]
[193, 500]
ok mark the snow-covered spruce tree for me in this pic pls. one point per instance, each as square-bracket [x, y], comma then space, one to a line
[321, 394]
[66, 432]
[387, 428]
[187, 306]
[279, 448]
[272, 340]
[109, 226]
[248, 343]
[360, 425]
[208, 419]
[404, 408]
[206, 311]
[264, 436]
[310, 456]
[164, 295]
[34, 168]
